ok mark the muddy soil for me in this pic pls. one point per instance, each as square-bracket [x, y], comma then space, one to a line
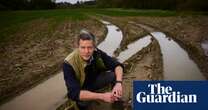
[188, 31]
[27, 60]
[36, 52]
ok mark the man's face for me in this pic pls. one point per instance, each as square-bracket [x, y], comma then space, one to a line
[86, 49]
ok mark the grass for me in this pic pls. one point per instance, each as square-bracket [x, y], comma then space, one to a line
[13, 17]
[11, 21]
[132, 12]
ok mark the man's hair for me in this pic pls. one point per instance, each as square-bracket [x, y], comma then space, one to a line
[85, 35]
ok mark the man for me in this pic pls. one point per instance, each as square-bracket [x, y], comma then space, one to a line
[88, 69]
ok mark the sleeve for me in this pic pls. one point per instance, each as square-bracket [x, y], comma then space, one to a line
[110, 63]
[72, 84]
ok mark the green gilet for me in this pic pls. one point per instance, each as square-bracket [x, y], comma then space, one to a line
[78, 64]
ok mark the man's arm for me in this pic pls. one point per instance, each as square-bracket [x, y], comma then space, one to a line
[117, 67]
[88, 95]
[119, 73]
[72, 84]
[117, 89]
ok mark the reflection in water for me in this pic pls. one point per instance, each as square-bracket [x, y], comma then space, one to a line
[177, 64]
[45, 96]
[112, 40]
[133, 48]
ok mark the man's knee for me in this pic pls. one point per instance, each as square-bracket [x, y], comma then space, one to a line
[105, 79]
[111, 76]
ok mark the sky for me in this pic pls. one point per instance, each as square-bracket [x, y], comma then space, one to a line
[71, 1]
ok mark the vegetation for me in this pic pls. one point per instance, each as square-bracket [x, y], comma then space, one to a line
[11, 21]
[199, 5]
[26, 4]
[194, 5]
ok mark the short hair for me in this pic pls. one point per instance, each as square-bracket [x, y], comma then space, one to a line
[85, 35]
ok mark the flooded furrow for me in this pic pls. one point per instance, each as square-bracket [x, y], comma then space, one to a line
[177, 63]
[133, 48]
[46, 96]
[113, 39]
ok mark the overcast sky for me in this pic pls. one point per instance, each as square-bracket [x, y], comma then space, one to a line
[71, 1]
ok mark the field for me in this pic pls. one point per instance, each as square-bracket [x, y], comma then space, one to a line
[33, 44]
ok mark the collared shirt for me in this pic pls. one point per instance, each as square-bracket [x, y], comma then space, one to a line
[90, 60]
[72, 83]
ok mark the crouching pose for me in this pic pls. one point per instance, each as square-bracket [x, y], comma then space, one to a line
[88, 69]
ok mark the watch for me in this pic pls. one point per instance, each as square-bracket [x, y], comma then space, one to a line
[119, 82]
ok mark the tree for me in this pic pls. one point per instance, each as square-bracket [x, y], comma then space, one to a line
[42, 4]
[27, 4]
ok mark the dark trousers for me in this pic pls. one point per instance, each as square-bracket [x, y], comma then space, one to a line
[103, 80]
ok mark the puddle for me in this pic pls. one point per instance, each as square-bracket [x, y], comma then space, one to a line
[204, 46]
[177, 64]
[134, 47]
[51, 94]
[112, 40]
[45, 96]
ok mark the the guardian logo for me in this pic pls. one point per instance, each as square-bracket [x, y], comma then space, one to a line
[164, 94]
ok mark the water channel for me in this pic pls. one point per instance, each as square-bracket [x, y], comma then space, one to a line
[176, 61]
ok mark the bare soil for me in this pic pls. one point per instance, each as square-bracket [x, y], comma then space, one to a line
[188, 31]
[36, 51]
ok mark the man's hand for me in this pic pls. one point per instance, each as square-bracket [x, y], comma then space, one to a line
[108, 97]
[117, 91]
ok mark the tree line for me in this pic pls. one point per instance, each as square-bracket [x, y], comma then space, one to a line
[26, 4]
[196, 5]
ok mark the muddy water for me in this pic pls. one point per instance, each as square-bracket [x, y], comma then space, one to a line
[45, 96]
[177, 64]
[112, 40]
[134, 47]
[51, 93]
[204, 46]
